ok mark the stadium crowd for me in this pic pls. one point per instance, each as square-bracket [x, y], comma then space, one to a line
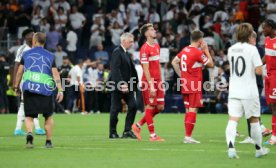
[83, 33]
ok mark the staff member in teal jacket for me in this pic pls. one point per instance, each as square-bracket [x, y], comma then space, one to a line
[40, 79]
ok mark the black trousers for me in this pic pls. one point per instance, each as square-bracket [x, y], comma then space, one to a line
[116, 107]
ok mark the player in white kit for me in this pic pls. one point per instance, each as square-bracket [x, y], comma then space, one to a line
[27, 35]
[245, 63]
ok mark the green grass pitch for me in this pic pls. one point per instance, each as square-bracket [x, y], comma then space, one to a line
[82, 141]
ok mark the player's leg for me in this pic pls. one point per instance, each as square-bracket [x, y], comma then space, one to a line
[131, 103]
[191, 102]
[29, 126]
[38, 129]
[20, 120]
[49, 124]
[235, 111]
[252, 112]
[248, 140]
[271, 93]
[272, 140]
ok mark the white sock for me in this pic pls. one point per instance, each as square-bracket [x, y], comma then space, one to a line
[273, 138]
[20, 117]
[36, 123]
[256, 134]
[231, 131]
[263, 128]
[152, 135]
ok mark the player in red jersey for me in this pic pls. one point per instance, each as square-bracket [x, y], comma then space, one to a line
[269, 30]
[152, 87]
[188, 65]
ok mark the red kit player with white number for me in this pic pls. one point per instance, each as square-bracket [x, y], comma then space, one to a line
[269, 30]
[152, 88]
[188, 65]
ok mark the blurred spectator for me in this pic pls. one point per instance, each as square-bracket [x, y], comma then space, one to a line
[44, 4]
[101, 55]
[100, 88]
[169, 77]
[13, 49]
[71, 39]
[221, 14]
[37, 15]
[59, 55]
[271, 10]
[53, 37]
[134, 10]
[152, 16]
[90, 77]
[64, 70]
[64, 4]
[60, 18]
[239, 15]
[115, 16]
[44, 26]
[115, 31]
[97, 33]
[139, 97]
[4, 71]
[76, 80]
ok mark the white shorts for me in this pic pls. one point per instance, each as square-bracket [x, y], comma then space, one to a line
[248, 107]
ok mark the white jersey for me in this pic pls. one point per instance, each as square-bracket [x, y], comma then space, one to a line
[243, 59]
[20, 52]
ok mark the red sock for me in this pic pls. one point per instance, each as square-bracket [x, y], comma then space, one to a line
[149, 120]
[274, 125]
[142, 121]
[190, 120]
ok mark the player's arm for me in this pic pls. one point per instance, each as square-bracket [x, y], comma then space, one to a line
[210, 63]
[257, 62]
[18, 78]
[263, 60]
[58, 84]
[175, 64]
[259, 70]
[15, 69]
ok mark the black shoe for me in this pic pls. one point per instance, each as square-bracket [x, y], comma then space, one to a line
[129, 134]
[48, 144]
[29, 139]
[113, 136]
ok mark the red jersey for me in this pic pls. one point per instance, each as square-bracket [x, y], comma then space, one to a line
[270, 55]
[150, 54]
[191, 62]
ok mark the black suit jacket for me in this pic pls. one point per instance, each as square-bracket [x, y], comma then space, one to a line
[122, 67]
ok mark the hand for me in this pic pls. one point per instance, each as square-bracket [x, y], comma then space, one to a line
[59, 97]
[204, 46]
[124, 88]
[17, 91]
[152, 91]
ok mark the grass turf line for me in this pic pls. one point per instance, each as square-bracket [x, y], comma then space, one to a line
[82, 141]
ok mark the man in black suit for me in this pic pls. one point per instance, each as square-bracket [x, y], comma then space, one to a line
[124, 75]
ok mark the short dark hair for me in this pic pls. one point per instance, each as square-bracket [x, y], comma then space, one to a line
[26, 32]
[271, 23]
[196, 35]
[244, 32]
[40, 37]
[145, 27]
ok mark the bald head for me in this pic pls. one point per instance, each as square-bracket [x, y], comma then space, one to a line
[39, 39]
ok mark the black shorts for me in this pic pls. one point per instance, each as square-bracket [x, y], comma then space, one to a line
[35, 104]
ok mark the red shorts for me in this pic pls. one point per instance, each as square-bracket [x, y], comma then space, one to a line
[159, 97]
[270, 89]
[192, 100]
